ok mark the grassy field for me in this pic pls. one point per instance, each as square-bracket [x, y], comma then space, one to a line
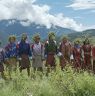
[58, 83]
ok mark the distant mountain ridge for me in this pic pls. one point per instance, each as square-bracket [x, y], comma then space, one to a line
[9, 27]
[87, 33]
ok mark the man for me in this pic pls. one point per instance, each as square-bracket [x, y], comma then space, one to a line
[2, 61]
[24, 54]
[87, 54]
[50, 51]
[65, 49]
[77, 55]
[11, 54]
[37, 54]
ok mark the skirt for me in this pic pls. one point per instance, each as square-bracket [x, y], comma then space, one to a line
[12, 63]
[37, 62]
[24, 62]
[50, 60]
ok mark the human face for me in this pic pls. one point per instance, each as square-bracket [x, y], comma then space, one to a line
[37, 40]
[12, 40]
[24, 38]
[52, 38]
[65, 40]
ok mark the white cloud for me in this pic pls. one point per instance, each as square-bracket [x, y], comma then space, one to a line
[25, 23]
[27, 10]
[82, 4]
[90, 27]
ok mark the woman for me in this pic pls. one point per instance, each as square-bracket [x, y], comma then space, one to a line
[11, 55]
[37, 54]
[24, 54]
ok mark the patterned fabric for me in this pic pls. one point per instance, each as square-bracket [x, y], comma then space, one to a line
[50, 46]
[37, 55]
[51, 60]
[24, 48]
[50, 52]
[93, 55]
[24, 62]
[1, 55]
[87, 49]
[24, 53]
[93, 52]
[66, 50]
[77, 56]
[12, 64]
[11, 50]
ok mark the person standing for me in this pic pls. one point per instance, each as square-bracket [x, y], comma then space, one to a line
[50, 52]
[65, 49]
[37, 54]
[24, 53]
[77, 55]
[86, 54]
[11, 55]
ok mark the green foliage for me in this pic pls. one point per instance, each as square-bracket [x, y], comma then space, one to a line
[58, 83]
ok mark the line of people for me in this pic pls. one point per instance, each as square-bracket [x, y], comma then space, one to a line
[79, 56]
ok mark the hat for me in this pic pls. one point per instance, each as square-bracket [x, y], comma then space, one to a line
[65, 37]
[12, 37]
[24, 35]
[86, 41]
[77, 41]
[36, 36]
[51, 34]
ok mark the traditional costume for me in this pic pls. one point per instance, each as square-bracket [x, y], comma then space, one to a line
[50, 50]
[77, 55]
[11, 54]
[65, 50]
[24, 54]
[86, 54]
[37, 53]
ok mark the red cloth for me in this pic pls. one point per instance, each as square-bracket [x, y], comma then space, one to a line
[77, 57]
[65, 49]
[93, 55]
[25, 62]
[50, 60]
[87, 56]
[93, 52]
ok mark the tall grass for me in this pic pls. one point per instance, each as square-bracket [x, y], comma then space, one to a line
[58, 83]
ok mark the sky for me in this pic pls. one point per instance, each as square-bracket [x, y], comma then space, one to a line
[74, 14]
